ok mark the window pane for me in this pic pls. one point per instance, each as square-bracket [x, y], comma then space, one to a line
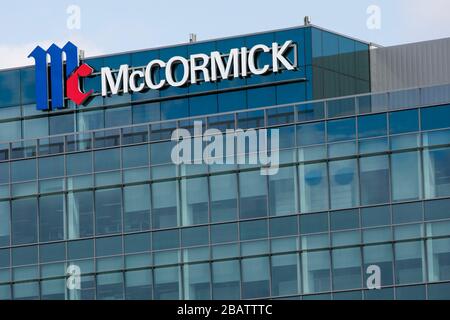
[24, 221]
[404, 121]
[226, 280]
[343, 184]
[285, 275]
[438, 259]
[313, 187]
[4, 223]
[224, 233]
[341, 130]
[110, 286]
[197, 282]
[164, 201]
[136, 208]
[194, 201]
[311, 133]
[255, 278]
[316, 271]
[50, 167]
[163, 240]
[136, 156]
[282, 192]
[409, 262]
[372, 126]
[437, 172]
[107, 160]
[435, 117]
[223, 197]
[195, 236]
[79, 163]
[51, 218]
[346, 268]
[108, 211]
[253, 192]
[381, 256]
[406, 173]
[24, 170]
[138, 285]
[80, 214]
[167, 283]
[250, 230]
[374, 172]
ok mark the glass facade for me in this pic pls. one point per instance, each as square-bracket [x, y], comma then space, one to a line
[364, 180]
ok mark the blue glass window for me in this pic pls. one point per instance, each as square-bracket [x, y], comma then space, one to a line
[143, 113]
[346, 268]
[107, 160]
[226, 279]
[316, 271]
[167, 283]
[117, 117]
[108, 211]
[79, 163]
[435, 117]
[168, 239]
[311, 133]
[80, 206]
[406, 176]
[4, 223]
[194, 201]
[374, 175]
[108, 246]
[404, 121]
[344, 184]
[285, 277]
[164, 204]
[138, 285]
[255, 278]
[409, 262]
[24, 221]
[341, 130]
[177, 108]
[313, 187]
[286, 226]
[282, 189]
[136, 156]
[436, 172]
[313, 223]
[381, 256]
[344, 220]
[251, 230]
[139, 242]
[223, 197]
[372, 126]
[60, 124]
[51, 218]
[52, 252]
[24, 170]
[197, 281]
[202, 105]
[194, 236]
[9, 88]
[136, 208]
[221, 233]
[253, 192]
[50, 167]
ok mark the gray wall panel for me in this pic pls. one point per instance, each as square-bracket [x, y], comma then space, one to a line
[411, 65]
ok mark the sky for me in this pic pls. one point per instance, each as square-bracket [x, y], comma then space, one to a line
[111, 26]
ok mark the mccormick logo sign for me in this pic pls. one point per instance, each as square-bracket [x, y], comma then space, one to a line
[60, 83]
[239, 62]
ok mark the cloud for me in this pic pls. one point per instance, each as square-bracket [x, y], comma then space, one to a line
[16, 55]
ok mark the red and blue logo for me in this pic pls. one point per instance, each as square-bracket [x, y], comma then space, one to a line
[63, 81]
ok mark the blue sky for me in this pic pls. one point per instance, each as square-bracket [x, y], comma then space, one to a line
[115, 26]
